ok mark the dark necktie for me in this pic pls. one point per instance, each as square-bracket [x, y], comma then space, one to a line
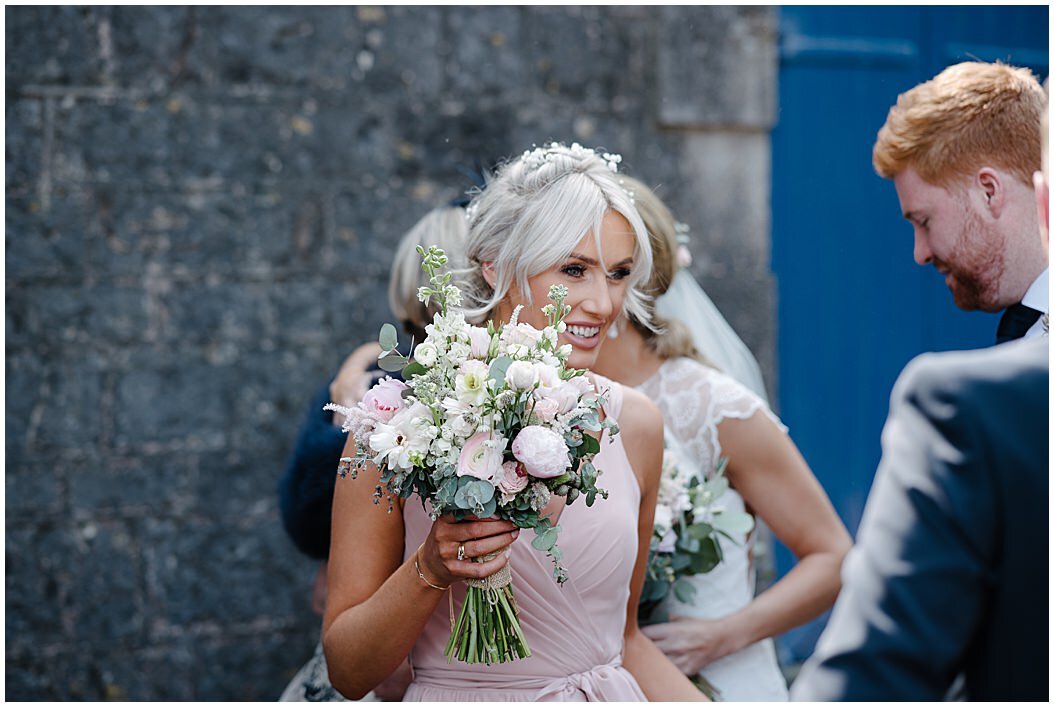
[1015, 322]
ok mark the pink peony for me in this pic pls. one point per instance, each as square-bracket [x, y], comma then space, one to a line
[384, 399]
[481, 456]
[542, 452]
[514, 480]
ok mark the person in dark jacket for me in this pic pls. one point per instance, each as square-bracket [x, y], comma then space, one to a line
[305, 490]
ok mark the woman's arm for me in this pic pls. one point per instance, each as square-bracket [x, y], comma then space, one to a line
[642, 430]
[377, 605]
[769, 472]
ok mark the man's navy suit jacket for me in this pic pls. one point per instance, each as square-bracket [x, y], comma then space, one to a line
[949, 575]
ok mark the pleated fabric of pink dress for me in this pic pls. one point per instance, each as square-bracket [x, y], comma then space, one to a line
[574, 631]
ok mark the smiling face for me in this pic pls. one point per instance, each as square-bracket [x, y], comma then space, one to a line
[953, 235]
[596, 282]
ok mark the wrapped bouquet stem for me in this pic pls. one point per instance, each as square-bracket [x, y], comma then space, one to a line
[488, 422]
[487, 629]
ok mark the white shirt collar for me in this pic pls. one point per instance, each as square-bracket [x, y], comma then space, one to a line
[1037, 296]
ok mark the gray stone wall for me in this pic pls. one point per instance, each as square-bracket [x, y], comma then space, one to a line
[201, 207]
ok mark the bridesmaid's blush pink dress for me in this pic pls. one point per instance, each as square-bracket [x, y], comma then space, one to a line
[575, 632]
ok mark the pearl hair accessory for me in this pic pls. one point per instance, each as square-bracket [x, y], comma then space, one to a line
[537, 157]
[684, 256]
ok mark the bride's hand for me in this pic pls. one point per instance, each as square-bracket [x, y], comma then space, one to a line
[690, 644]
[439, 553]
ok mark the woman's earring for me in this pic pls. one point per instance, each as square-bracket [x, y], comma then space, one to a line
[614, 329]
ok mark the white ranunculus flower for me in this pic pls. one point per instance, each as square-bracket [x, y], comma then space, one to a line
[521, 375]
[426, 354]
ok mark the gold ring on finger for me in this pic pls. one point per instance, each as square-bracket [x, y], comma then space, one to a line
[461, 551]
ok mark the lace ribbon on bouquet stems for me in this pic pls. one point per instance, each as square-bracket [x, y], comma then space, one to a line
[492, 636]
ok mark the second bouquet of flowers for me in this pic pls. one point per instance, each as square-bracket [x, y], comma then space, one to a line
[488, 422]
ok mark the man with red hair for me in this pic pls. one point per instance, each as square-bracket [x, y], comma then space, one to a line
[961, 150]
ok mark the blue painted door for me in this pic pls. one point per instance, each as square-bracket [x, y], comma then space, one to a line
[853, 308]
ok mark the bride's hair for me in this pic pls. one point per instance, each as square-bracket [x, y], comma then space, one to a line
[669, 338]
[533, 213]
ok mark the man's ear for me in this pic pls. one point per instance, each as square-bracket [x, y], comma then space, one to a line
[488, 273]
[993, 186]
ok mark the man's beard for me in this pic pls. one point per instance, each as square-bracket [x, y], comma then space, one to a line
[976, 265]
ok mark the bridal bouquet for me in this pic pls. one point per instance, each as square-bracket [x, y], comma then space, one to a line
[487, 422]
[688, 521]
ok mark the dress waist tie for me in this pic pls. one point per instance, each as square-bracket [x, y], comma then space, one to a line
[603, 683]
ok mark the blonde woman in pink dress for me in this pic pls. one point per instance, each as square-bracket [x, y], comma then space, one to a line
[555, 215]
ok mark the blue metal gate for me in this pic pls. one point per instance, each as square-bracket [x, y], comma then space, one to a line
[853, 308]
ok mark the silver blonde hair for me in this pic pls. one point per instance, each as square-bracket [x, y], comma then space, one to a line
[445, 227]
[533, 213]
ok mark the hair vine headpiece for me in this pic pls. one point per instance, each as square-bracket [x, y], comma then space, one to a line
[539, 156]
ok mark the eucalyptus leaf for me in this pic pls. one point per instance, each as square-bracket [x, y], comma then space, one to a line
[717, 486]
[413, 369]
[733, 522]
[389, 338]
[700, 530]
[392, 363]
[684, 590]
[590, 445]
[546, 539]
[498, 368]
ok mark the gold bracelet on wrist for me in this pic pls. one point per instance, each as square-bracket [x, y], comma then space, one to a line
[424, 579]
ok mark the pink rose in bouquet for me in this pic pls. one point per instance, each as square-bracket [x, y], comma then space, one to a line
[384, 399]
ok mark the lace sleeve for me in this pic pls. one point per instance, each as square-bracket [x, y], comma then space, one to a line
[694, 399]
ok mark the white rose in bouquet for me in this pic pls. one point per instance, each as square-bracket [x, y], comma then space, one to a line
[521, 375]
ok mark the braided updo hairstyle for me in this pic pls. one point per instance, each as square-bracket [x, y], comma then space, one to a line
[533, 213]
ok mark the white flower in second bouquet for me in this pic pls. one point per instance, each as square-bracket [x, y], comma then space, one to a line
[521, 375]
[663, 520]
[668, 542]
[426, 354]
[542, 451]
[404, 440]
[481, 457]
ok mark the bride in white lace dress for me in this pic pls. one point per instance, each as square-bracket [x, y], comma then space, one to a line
[727, 634]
